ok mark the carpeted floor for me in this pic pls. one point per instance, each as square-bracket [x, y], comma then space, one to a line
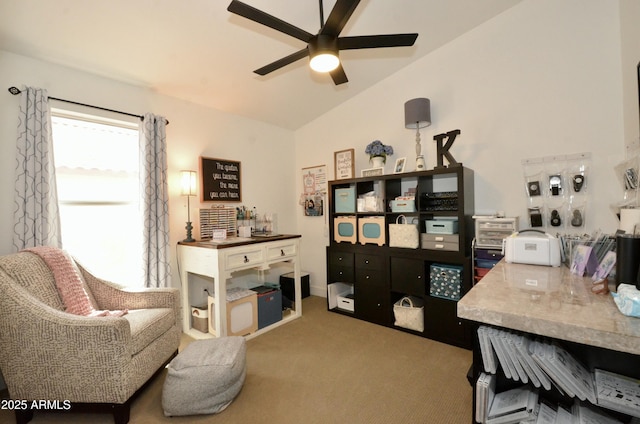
[328, 368]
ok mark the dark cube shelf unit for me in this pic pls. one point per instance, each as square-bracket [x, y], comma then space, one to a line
[381, 275]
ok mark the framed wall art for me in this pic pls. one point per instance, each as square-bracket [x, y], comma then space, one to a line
[221, 180]
[400, 163]
[343, 161]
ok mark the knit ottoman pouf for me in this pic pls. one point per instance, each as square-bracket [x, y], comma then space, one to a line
[205, 377]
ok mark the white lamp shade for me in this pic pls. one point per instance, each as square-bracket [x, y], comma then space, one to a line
[325, 62]
[188, 186]
[417, 113]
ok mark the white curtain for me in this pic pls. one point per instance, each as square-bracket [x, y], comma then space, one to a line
[36, 215]
[153, 168]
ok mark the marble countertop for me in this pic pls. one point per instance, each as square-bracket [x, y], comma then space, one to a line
[550, 302]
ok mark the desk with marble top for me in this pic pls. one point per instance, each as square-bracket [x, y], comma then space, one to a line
[553, 303]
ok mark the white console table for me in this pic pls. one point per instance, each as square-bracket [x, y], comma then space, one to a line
[219, 260]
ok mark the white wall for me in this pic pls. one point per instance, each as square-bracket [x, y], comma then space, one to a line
[543, 78]
[630, 36]
[265, 151]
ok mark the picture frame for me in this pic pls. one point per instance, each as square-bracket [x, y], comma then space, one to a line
[220, 180]
[344, 164]
[372, 172]
[399, 166]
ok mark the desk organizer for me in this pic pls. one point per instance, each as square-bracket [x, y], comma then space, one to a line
[217, 218]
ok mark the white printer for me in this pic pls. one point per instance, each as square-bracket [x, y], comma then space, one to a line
[532, 247]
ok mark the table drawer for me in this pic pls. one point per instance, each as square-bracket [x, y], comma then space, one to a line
[245, 259]
[369, 277]
[341, 258]
[341, 273]
[364, 261]
[440, 238]
[434, 245]
[282, 251]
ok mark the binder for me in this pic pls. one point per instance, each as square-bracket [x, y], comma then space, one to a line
[485, 392]
[513, 406]
[489, 359]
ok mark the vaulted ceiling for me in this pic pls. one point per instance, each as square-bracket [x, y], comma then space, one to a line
[198, 51]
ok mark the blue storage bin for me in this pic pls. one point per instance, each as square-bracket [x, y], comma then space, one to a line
[269, 305]
[345, 200]
[486, 263]
[491, 254]
[445, 281]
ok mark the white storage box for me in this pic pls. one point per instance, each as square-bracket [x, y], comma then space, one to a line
[403, 205]
[336, 290]
[491, 231]
[345, 301]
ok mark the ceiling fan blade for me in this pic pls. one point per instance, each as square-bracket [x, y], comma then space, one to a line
[263, 18]
[338, 75]
[340, 14]
[374, 41]
[283, 62]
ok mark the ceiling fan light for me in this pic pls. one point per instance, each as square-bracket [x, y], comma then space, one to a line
[324, 62]
[323, 51]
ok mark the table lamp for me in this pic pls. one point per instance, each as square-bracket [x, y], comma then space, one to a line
[188, 188]
[417, 114]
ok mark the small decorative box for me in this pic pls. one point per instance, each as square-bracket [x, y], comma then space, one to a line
[446, 281]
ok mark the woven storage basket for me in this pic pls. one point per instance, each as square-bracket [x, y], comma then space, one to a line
[409, 313]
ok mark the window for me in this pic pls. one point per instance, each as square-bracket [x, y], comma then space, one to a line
[97, 173]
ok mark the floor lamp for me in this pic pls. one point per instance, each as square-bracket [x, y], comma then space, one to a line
[417, 114]
[188, 188]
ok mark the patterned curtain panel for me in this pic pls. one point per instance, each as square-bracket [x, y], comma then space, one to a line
[36, 216]
[153, 157]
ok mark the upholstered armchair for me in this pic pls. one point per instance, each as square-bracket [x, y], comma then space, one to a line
[100, 362]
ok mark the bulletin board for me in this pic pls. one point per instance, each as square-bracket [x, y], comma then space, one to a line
[314, 183]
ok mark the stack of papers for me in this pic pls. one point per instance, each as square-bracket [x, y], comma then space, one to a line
[485, 392]
[588, 415]
[511, 351]
[238, 293]
[570, 375]
[513, 406]
[540, 363]
[618, 392]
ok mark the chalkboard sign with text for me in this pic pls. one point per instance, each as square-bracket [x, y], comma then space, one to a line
[220, 180]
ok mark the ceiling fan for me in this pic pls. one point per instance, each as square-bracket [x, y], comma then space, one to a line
[323, 47]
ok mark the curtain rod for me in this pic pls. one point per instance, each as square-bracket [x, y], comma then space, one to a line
[15, 91]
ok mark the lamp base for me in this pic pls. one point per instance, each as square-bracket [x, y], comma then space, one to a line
[189, 228]
[420, 163]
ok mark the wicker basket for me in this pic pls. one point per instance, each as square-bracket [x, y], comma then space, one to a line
[409, 313]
